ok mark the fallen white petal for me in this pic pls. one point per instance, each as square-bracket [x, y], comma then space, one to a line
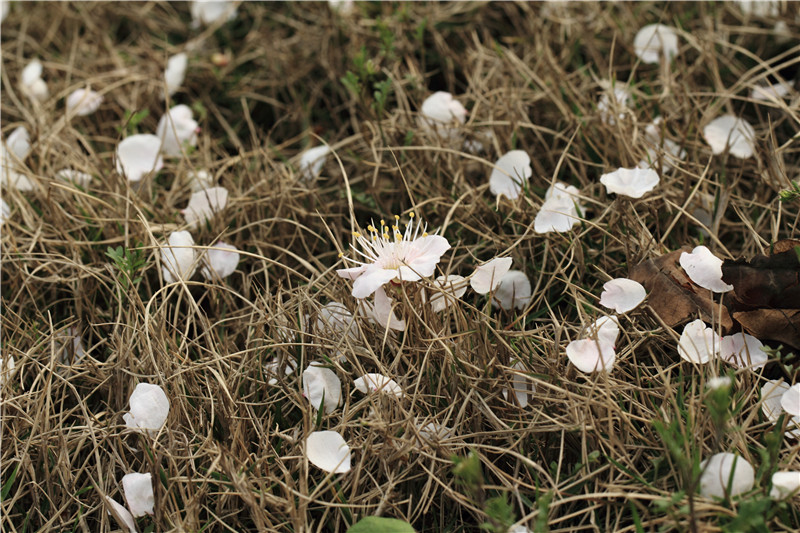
[175, 72]
[773, 92]
[378, 383]
[511, 172]
[771, 393]
[149, 409]
[613, 104]
[203, 205]
[705, 269]
[138, 155]
[622, 294]
[784, 484]
[121, 515]
[312, 161]
[178, 260]
[177, 129]
[698, 343]
[657, 146]
[322, 384]
[334, 320]
[75, 176]
[790, 401]
[605, 328]
[521, 386]
[220, 261]
[328, 451]
[83, 102]
[487, 277]
[560, 211]
[514, 290]
[631, 182]
[743, 350]
[655, 41]
[205, 12]
[433, 432]
[442, 108]
[273, 368]
[590, 355]
[452, 288]
[138, 489]
[382, 311]
[31, 83]
[723, 470]
[735, 134]
[200, 180]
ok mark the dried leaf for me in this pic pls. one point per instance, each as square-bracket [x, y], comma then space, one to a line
[781, 325]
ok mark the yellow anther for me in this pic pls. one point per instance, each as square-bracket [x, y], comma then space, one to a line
[425, 234]
[357, 235]
[383, 222]
[386, 236]
[397, 217]
[411, 214]
[341, 254]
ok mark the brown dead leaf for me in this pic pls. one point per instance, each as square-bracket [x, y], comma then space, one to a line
[673, 296]
[781, 325]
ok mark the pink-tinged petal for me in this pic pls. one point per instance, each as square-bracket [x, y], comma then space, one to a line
[372, 278]
[589, 355]
[424, 254]
[328, 451]
[121, 515]
[351, 273]
[743, 350]
[705, 269]
[631, 182]
[622, 295]
[725, 470]
[605, 328]
[452, 287]
[138, 489]
[487, 277]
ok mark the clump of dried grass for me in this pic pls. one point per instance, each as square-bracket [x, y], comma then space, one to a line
[231, 456]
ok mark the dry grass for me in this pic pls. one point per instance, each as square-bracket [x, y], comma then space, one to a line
[583, 456]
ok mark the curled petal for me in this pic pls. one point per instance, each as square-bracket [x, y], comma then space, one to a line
[622, 294]
[511, 171]
[328, 451]
[220, 261]
[205, 204]
[149, 409]
[705, 269]
[731, 133]
[378, 383]
[82, 102]
[698, 343]
[487, 277]
[514, 290]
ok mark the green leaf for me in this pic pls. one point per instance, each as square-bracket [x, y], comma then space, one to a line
[9, 482]
[372, 524]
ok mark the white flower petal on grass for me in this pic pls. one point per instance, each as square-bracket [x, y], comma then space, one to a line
[328, 451]
[273, 369]
[13, 153]
[723, 471]
[771, 393]
[433, 432]
[590, 355]
[656, 145]
[605, 328]
[149, 409]
[220, 261]
[731, 133]
[200, 180]
[138, 489]
[138, 155]
[705, 269]
[521, 386]
[335, 320]
[31, 83]
[511, 172]
[5, 8]
[613, 104]
[75, 176]
[487, 277]
[772, 92]
[178, 260]
[631, 182]
[442, 108]
[698, 343]
[784, 484]
[7, 368]
[560, 211]
[175, 72]
[383, 313]
[743, 350]
[451, 288]
[790, 401]
[19, 143]
[312, 161]
[83, 102]
[760, 8]
[656, 41]
[204, 204]
[205, 12]
[378, 383]
[176, 129]
[622, 295]
[719, 383]
[514, 290]
[121, 515]
[320, 385]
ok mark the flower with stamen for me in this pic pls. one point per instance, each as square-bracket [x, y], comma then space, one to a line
[389, 254]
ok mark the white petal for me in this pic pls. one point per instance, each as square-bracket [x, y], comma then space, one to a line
[374, 277]
[378, 383]
[204, 204]
[5, 212]
[771, 393]
[560, 210]
[122, 515]
[705, 269]
[743, 350]
[452, 288]
[733, 133]
[698, 343]
[442, 108]
[175, 72]
[790, 401]
[487, 277]
[655, 41]
[328, 451]
[773, 92]
[320, 384]
[149, 409]
[31, 82]
[209, 12]
[335, 320]
[177, 128]
[178, 261]
[511, 171]
[220, 261]
[83, 102]
[434, 432]
[19, 143]
[622, 294]
[605, 328]
[422, 255]
[311, 162]
[273, 368]
[200, 180]
[75, 176]
[632, 182]
[669, 151]
[521, 386]
[138, 155]
[613, 104]
[784, 484]
[138, 489]
[514, 290]
[723, 470]
[590, 355]
[383, 313]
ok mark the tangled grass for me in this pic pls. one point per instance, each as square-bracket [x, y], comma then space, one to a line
[604, 452]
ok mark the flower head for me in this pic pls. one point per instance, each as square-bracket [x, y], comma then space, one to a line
[390, 254]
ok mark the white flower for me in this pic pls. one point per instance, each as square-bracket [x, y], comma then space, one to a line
[321, 384]
[705, 269]
[75, 176]
[344, 7]
[560, 211]
[13, 153]
[200, 180]
[632, 182]
[743, 350]
[655, 41]
[220, 261]
[784, 484]
[451, 288]
[622, 294]
[328, 451]
[206, 12]
[122, 515]
[204, 204]
[138, 155]
[273, 368]
[487, 277]
[82, 102]
[311, 162]
[178, 260]
[177, 128]
[669, 150]
[382, 312]
[149, 409]
[514, 290]
[31, 83]
[592, 355]
[175, 72]
[725, 471]
[392, 255]
[731, 133]
[442, 108]
[613, 103]
[521, 386]
[378, 383]
[511, 171]
[790, 401]
[138, 489]
[698, 343]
